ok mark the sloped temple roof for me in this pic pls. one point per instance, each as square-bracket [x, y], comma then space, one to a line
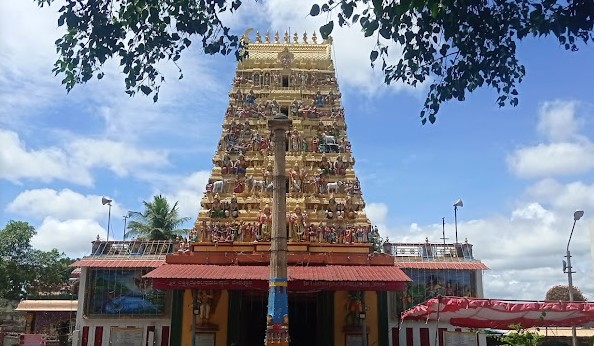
[329, 277]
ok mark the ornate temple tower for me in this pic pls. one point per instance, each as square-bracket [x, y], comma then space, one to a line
[283, 175]
[295, 77]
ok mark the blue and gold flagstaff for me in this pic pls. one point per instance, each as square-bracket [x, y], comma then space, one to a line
[277, 319]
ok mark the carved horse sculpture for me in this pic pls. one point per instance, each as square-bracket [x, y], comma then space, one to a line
[333, 187]
[219, 186]
[257, 185]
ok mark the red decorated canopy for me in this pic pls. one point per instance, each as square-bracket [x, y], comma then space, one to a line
[502, 314]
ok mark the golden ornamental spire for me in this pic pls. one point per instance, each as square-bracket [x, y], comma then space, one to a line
[287, 39]
[267, 38]
[305, 37]
[314, 38]
[295, 38]
[258, 37]
[276, 38]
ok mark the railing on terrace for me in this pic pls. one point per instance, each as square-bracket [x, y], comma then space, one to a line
[427, 250]
[131, 248]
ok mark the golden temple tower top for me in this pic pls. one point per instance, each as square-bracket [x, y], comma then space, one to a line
[294, 75]
[299, 52]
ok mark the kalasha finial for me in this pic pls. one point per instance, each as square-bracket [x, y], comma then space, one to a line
[267, 37]
[295, 38]
[276, 38]
[305, 37]
[287, 39]
[258, 37]
[314, 37]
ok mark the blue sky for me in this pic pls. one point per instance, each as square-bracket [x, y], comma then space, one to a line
[521, 171]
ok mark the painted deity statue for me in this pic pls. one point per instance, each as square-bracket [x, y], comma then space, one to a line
[265, 224]
[226, 164]
[298, 220]
[204, 299]
[296, 176]
[217, 209]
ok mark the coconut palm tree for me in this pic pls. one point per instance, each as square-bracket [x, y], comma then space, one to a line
[159, 221]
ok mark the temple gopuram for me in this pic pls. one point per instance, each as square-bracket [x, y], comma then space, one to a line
[337, 279]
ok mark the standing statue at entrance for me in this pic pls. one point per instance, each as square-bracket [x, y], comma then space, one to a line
[355, 306]
[204, 302]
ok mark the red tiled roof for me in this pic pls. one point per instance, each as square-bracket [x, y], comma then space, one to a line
[442, 265]
[209, 272]
[347, 273]
[320, 273]
[299, 278]
[118, 263]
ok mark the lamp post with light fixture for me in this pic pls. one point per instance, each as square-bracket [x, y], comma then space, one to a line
[107, 201]
[125, 222]
[458, 203]
[576, 216]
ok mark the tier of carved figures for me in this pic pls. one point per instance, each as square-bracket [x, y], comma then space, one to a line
[286, 38]
[301, 79]
[298, 229]
[324, 199]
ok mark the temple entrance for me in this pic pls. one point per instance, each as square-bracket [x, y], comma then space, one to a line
[253, 318]
[309, 323]
[303, 319]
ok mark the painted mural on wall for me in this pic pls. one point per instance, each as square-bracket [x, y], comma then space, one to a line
[123, 292]
[427, 284]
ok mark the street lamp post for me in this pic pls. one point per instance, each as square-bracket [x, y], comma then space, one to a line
[576, 216]
[458, 203]
[125, 222]
[107, 201]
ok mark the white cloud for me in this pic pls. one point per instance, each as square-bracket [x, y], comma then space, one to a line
[69, 220]
[188, 192]
[26, 82]
[523, 250]
[28, 89]
[72, 236]
[563, 197]
[557, 120]
[120, 157]
[377, 212]
[62, 205]
[46, 164]
[73, 162]
[553, 159]
[567, 152]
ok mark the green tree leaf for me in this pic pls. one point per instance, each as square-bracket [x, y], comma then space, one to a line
[315, 10]
[159, 221]
[458, 46]
[326, 29]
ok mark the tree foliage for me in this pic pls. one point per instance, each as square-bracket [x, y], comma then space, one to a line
[138, 32]
[561, 293]
[456, 46]
[159, 221]
[521, 337]
[26, 271]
